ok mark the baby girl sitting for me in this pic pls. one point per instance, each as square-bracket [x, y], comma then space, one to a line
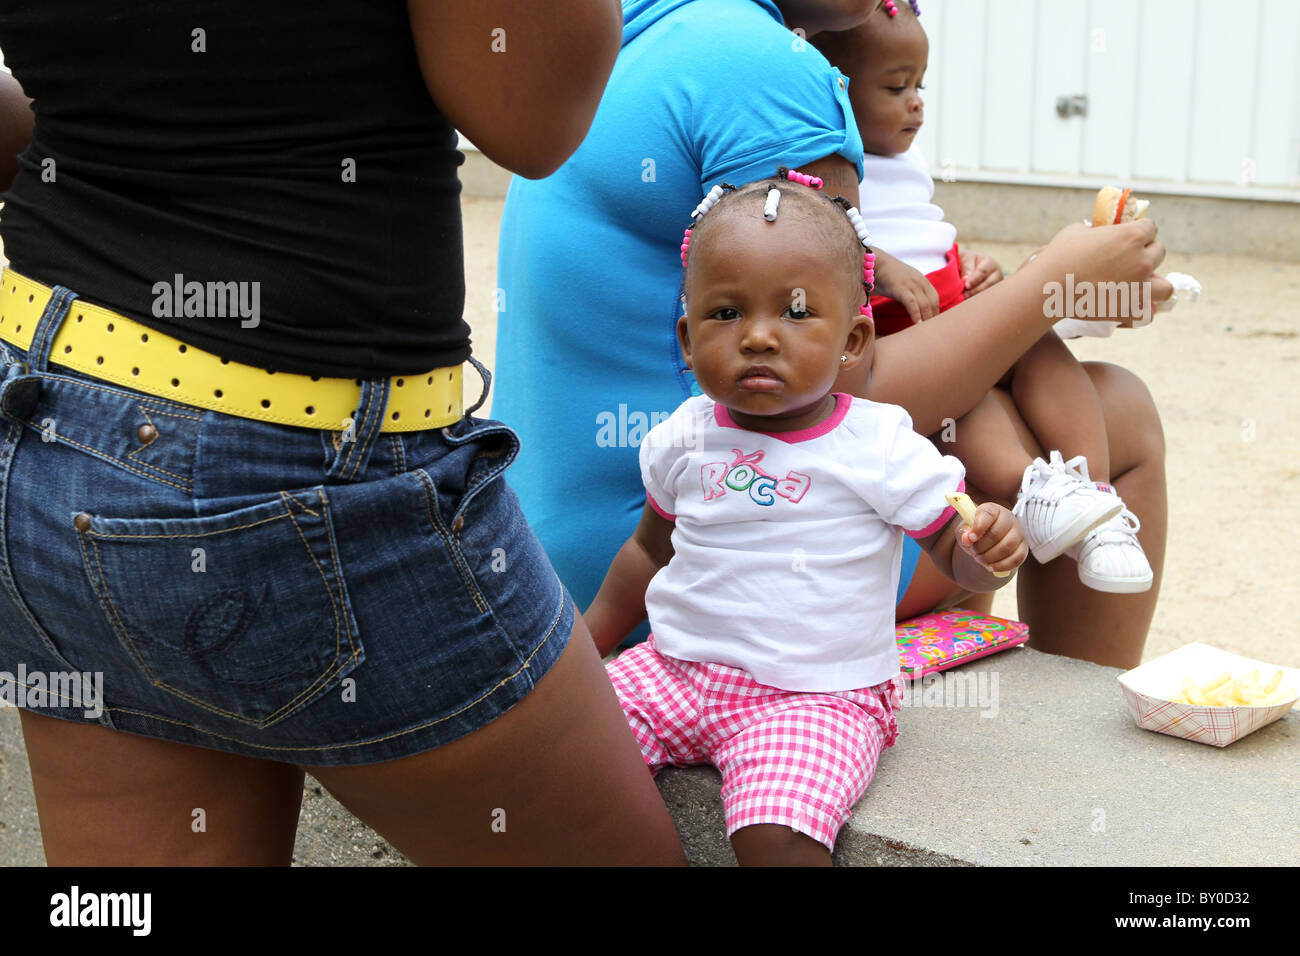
[768, 551]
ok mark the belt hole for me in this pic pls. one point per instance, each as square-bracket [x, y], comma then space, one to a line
[18, 328]
[80, 317]
[449, 376]
[427, 412]
[396, 415]
[31, 298]
[176, 382]
[67, 349]
[401, 382]
[181, 349]
[216, 392]
[310, 409]
[135, 371]
[144, 336]
[358, 381]
[430, 379]
[225, 361]
[110, 326]
[100, 360]
[315, 378]
[266, 403]
[270, 371]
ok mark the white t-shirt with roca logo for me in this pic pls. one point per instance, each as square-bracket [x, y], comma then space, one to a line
[787, 546]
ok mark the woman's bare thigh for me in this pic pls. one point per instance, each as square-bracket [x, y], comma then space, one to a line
[108, 798]
[559, 779]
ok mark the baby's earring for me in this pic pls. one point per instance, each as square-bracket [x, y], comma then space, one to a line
[844, 358]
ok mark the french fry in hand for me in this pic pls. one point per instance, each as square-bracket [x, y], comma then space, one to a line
[1227, 691]
[966, 508]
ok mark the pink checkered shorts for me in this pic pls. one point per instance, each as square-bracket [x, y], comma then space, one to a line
[801, 760]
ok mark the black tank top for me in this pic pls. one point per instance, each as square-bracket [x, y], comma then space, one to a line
[281, 158]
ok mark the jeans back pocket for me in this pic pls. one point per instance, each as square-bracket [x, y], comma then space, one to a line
[244, 613]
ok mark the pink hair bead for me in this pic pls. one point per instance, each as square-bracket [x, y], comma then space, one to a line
[891, 7]
[803, 179]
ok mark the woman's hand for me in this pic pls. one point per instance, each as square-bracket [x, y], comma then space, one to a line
[907, 286]
[979, 272]
[1126, 253]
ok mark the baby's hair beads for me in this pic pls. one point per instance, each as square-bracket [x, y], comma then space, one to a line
[813, 182]
[891, 7]
[707, 203]
[771, 206]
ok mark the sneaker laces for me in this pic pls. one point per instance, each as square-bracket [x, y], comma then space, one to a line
[1121, 529]
[1076, 466]
[1038, 471]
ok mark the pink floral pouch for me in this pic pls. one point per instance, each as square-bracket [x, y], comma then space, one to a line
[944, 639]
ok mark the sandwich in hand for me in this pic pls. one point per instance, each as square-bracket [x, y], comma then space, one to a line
[1113, 206]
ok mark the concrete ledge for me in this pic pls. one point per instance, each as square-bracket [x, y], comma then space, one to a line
[1056, 774]
[1001, 212]
[1059, 776]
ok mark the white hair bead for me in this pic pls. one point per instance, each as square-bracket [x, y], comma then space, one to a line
[860, 227]
[708, 202]
[769, 207]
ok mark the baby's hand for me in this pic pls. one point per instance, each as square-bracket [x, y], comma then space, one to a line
[995, 540]
[979, 272]
[901, 282]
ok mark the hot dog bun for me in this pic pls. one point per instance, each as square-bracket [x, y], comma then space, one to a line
[1113, 206]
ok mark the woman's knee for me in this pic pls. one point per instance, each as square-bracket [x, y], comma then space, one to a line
[1132, 420]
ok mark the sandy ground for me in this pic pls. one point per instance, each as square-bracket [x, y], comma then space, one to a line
[1225, 373]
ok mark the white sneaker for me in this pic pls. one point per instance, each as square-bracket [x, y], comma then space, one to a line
[1111, 557]
[1058, 505]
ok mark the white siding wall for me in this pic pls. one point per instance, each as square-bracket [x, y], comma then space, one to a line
[1193, 96]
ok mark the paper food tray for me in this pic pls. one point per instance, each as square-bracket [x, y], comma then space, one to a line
[1148, 690]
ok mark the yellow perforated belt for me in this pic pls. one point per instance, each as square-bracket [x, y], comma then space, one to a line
[109, 346]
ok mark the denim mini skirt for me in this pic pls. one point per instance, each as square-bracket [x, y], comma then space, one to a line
[261, 589]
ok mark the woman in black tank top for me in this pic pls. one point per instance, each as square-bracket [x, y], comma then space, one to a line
[304, 153]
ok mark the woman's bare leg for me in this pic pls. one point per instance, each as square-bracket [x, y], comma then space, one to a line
[558, 779]
[1057, 400]
[1063, 615]
[988, 444]
[108, 798]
